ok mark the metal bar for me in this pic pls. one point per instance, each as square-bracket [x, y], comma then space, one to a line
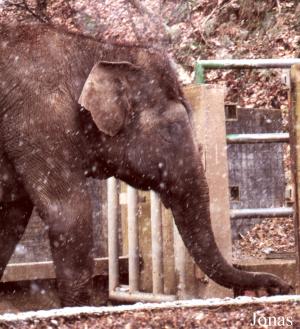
[248, 63]
[124, 296]
[241, 64]
[133, 239]
[157, 247]
[179, 258]
[295, 156]
[112, 219]
[262, 212]
[199, 74]
[258, 138]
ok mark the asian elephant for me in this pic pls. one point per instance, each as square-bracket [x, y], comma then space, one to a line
[73, 107]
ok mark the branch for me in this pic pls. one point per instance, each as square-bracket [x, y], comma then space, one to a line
[218, 6]
[41, 8]
[23, 6]
[278, 6]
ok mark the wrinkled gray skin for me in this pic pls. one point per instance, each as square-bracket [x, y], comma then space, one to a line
[135, 125]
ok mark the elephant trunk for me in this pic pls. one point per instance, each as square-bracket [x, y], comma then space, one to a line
[192, 217]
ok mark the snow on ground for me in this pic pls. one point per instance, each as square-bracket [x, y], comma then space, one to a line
[212, 302]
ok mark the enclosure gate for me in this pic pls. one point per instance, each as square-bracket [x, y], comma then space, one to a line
[293, 137]
[132, 291]
[251, 138]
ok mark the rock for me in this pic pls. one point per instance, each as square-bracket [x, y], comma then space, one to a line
[210, 27]
[174, 32]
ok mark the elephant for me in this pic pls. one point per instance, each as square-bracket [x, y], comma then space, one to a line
[73, 107]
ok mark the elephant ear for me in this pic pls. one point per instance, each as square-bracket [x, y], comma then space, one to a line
[102, 96]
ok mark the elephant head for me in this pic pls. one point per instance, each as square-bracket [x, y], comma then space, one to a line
[140, 112]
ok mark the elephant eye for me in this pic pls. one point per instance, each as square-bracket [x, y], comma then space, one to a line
[175, 129]
[171, 132]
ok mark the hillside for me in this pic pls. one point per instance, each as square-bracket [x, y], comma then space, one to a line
[191, 30]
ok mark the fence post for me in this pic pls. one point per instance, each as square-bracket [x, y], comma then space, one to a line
[157, 244]
[295, 147]
[112, 219]
[133, 239]
[199, 74]
[209, 123]
[170, 284]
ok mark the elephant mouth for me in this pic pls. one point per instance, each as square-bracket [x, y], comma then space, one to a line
[157, 180]
[164, 191]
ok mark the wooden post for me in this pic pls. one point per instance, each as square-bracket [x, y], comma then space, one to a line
[209, 122]
[295, 148]
[145, 242]
[170, 284]
[143, 212]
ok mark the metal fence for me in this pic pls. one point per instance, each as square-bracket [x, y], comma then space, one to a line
[203, 65]
[131, 292]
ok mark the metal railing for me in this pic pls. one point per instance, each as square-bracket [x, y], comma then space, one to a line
[262, 212]
[273, 63]
[131, 292]
[283, 63]
[258, 138]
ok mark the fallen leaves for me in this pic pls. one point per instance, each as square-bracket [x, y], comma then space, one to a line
[274, 235]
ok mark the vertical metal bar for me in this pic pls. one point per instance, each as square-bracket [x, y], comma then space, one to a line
[112, 218]
[199, 74]
[133, 240]
[295, 155]
[179, 257]
[157, 247]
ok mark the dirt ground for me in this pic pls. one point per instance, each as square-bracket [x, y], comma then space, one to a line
[264, 315]
[24, 296]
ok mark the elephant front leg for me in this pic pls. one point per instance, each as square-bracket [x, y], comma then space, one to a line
[69, 223]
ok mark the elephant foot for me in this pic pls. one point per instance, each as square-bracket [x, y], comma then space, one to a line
[75, 293]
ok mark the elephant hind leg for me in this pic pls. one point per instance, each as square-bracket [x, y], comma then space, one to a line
[54, 179]
[63, 204]
[14, 217]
